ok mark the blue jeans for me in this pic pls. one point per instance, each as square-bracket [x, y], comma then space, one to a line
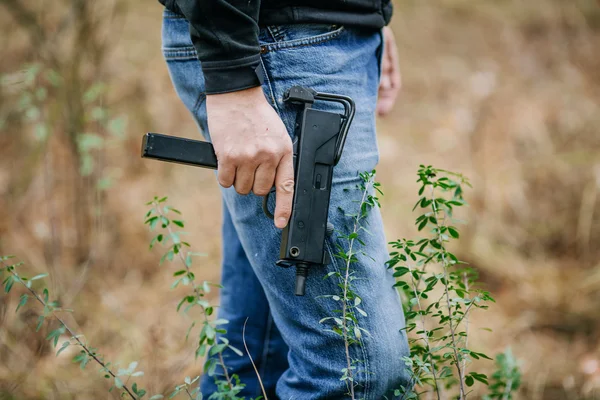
[297, 357]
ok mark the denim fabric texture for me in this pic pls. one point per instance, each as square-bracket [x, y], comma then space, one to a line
[295, 355]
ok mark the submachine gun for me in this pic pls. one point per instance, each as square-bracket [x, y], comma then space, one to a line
[318, 145]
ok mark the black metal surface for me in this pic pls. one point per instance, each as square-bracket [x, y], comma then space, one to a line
[179, 150]
[307, 227]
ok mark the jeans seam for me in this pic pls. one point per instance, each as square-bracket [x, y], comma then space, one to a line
[269, 86]
[199, 101]
[362, 344]
[275, 33]
[179, 53]
[292, 44]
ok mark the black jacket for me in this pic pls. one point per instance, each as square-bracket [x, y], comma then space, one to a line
[225, 32]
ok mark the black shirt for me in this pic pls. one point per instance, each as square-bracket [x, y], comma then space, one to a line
[225, 32]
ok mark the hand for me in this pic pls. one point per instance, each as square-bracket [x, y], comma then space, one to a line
[253, 148]
[390, 82]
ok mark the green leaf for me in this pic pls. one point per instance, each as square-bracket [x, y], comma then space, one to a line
[118, 382]
[157, 397]
[401, 271]
[178, 223]
[8, 283]
[40, 276]
[210, 331]
[482, 355]
[89, 141]
[453, 232]
[201, 350]
[40, 323]
[94, 92]
[63, 347]
[480, 377]
[41, 132]
[23, 301]
[116, 126]
[361, 311]
[55, 334]
[469, 380]
[235, 350]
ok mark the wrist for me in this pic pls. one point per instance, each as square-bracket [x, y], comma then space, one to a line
[253, 95]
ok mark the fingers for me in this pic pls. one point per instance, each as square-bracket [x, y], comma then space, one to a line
[394, 60]
[263, 179]
[244, 178]
[226, 174]
[385, 105]
[284, 186]
[390, 82]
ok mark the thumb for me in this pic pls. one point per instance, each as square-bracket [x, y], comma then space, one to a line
[284, 189]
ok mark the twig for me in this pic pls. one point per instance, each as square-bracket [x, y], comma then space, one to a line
[345, 295]
[465, 317]
[447, 295]
[252, 361]
[425, 334]
[196, 292]
[73, 335]
[189, 394]
[507, 390]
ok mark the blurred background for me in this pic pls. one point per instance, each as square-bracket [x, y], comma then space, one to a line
[504, 91]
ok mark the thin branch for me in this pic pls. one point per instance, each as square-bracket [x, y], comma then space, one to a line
[447, 295]
[252, 361]
[465, 317]
[345, 294]
[425, 335]
[196, 291]
[507, 390]
[73, 335]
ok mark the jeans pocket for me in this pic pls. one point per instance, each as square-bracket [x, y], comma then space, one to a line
[279, 37]
[176, 40]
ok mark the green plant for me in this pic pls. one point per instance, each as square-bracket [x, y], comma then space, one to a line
[346, 324]
[439, 291]
[38, 92]
[507, 377]
[208, 341]
[51, 313]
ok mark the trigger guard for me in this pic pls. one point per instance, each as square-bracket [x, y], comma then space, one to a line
[265, 205]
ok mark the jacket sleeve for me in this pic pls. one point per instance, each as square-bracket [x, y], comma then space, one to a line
[225, 35]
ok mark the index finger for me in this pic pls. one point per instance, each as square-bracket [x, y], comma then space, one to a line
[284, 190]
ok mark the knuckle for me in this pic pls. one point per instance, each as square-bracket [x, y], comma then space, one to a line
[261, 190]
[287, 186]
[225, 182]
[242, 190]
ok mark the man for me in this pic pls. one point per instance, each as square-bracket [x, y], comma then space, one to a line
[230, 62]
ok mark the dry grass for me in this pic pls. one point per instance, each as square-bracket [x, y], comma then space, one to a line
[507, 92]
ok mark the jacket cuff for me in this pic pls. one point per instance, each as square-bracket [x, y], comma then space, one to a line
[232, 75]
